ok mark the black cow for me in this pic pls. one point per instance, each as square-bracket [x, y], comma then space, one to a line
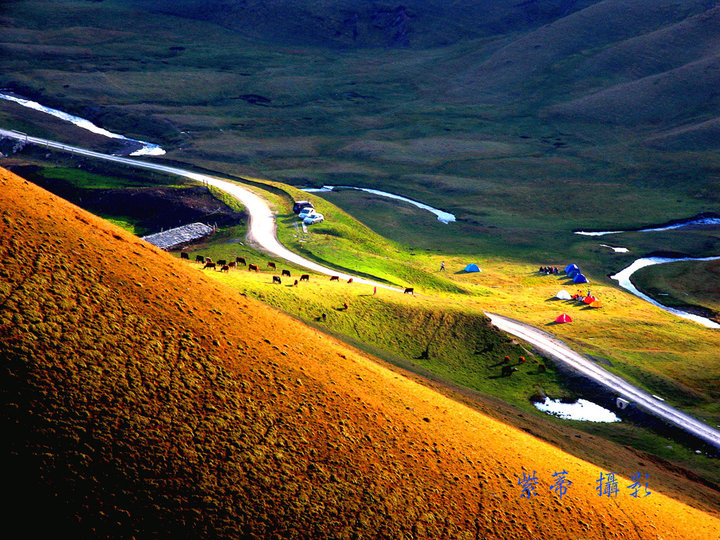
[222, 262]
[286, 273]
[271, 264]
[276, 279]
[225, 268]
[184, 255]
[305, 277]
[240, 260]
[199, 258]
[209, 265]
[409, 290]
[334, 278]
[508, 370]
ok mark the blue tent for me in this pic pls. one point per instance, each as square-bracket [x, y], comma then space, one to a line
[580, 279]
[570, 267]
[472, 267]
[573, 273]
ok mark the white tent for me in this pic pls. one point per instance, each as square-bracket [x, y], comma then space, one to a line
[563, 295]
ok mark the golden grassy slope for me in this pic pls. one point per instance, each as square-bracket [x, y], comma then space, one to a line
[141, 398]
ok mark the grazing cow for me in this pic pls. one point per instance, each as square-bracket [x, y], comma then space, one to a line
[286, 273]
[199, 258]
[296, 283]
[252, 267]
[305, 277]
[225, 268]
[208, 259]
[184, 255]
[222, 262]
[209, 265]
[409, 290]
[507, 371]
[240, 260]
[276, 279]
[334, 278]
[232, 264]
[350, 280]
[271, 264]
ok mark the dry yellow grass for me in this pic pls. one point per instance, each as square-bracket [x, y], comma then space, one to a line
[141, 398]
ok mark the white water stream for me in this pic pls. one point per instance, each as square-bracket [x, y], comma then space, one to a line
[148, 149]
[623, 279]
[444, 217]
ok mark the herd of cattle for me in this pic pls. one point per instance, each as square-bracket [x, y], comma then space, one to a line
[223, 265]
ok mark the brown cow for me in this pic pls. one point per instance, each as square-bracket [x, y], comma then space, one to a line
[295, 284]
[208, 259]
[252, 267]
[232, 264]
[276, 279]
[209, 265]
[286, 273]
[271, 264]
[409, 290]
[305, 277]
[184, 255]
[240, 260]
[225, 268]
[334, 278]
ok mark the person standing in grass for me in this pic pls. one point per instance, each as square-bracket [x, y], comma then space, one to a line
[374, 290]
[442, 266]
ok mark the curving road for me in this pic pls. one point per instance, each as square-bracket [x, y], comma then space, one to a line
[262, 225]
[557, 350]
[262, 231]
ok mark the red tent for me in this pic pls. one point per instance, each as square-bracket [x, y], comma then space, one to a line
[590, 299]
[563, 319]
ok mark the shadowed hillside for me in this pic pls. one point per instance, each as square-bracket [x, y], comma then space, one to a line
[141, 399]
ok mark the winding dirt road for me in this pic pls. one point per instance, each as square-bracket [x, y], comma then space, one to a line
[262, 231]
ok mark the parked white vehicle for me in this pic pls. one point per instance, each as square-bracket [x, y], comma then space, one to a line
[313, 219]
[305, 212]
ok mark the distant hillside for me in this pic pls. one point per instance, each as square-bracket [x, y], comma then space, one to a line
[141, 399]
[358, 23]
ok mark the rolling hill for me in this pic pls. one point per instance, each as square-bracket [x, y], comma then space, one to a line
[140, 398]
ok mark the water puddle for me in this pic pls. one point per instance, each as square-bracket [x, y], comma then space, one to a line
[616, 249]
[148, 149]
[442, 216]
[582, 409]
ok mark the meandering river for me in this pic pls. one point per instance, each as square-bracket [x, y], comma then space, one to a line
[147, 149]
[623, 279]
[442, 216]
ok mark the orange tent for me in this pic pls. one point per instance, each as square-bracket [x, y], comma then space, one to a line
[564, 318]
[596, 303]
